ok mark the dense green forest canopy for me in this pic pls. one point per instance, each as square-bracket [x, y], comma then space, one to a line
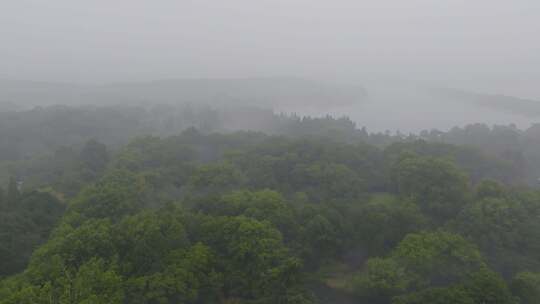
[178, 205]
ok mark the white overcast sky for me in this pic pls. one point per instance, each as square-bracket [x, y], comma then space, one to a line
[485, 45]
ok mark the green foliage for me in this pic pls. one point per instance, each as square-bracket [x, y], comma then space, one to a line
[489, 188]
[383, 222]
[382, 280]
[247, 248]
[437, 185]
[216, 178]
[117, 195]
[499, 225]
[438, 295]
[143, 241]
[437, 258]
[486, 286]
[477, 162]
[322, 170]
[187, 276]
[526, 287]
[96, 283]
[25, 228]
[264, 205]
[419, 262]
[149, 258]
[250, 218]
[323, 234]
[93, 282]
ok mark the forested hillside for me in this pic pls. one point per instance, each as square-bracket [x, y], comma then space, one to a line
[33, 139]
[269, 152]
[311, 210]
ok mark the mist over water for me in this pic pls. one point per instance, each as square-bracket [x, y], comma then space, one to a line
[395, 50]
[411, 108]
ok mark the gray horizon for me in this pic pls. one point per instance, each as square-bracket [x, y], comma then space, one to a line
[483, 46]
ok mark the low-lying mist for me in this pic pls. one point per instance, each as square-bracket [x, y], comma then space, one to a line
[376, 105]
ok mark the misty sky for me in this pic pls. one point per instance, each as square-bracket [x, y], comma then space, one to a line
[489, 46]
